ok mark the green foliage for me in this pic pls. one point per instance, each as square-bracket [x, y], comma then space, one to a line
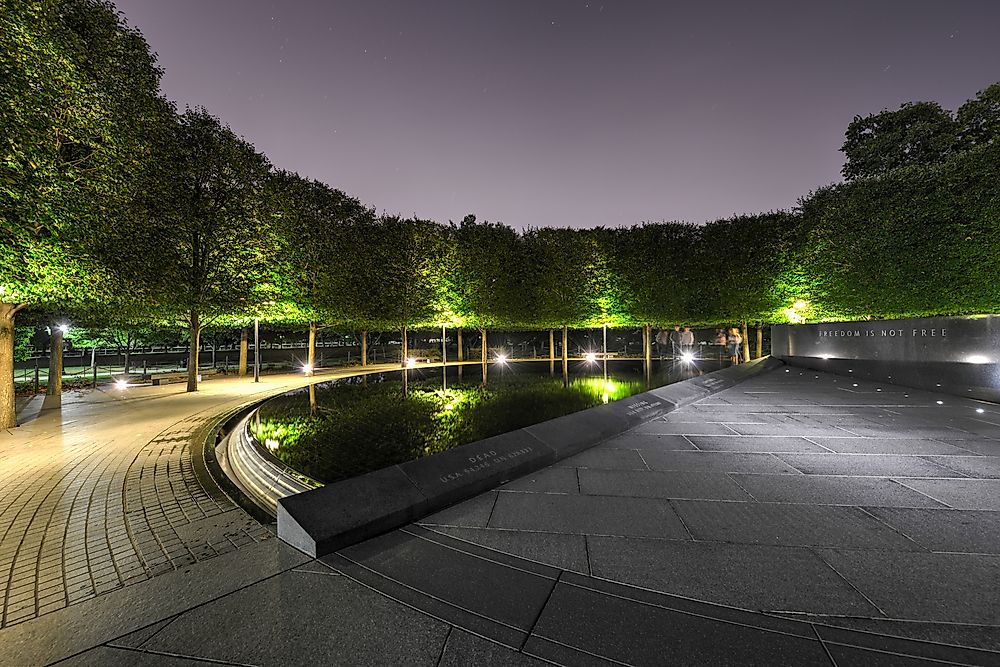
[917, 241]
[979, 118]
[916, 133]
[22, 342]
[78, 91]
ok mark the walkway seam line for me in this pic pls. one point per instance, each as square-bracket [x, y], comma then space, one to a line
[541, 610]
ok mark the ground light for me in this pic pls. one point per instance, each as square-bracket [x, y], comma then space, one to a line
[411, 362]
[980, 410]
[307, 368]
[501, 359]
[591, 357]
[63, 327]
[121, 385]
[687, 357]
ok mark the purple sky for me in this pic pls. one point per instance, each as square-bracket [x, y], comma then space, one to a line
[557, 113]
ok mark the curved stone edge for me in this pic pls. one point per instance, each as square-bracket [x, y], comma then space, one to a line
[323, 520]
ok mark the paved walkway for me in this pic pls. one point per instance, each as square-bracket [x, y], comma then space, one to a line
[798, 518]
[109, 491]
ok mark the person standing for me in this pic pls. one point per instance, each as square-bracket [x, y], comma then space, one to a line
[687, 341]
[662, 340]
[734, 340]
[675, 342]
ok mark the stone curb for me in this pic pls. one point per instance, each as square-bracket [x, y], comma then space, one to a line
[323, 520]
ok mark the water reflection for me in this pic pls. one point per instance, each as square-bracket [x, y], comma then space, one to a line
[348, 427]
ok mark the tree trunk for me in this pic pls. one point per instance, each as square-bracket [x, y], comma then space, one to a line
[647, 345]
[54, 386]
[461, 347]
[195, 331]
[746, 341]
[244, 351]
[312, 349]
[313, 406]
[483, 358]
[364, 347]
[405, 351]
[552, 352]
[760, 341]
[565, 354]
[8, 416]
[128, 360]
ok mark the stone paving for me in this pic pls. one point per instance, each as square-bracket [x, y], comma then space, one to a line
[798, 518]
[104, 493]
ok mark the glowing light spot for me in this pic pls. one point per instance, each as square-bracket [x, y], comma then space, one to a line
[63, 327]
[307, 368]
[980, 410]
[271, 444]
[977, 359]
[687, 357]
[121, 385]
[411, 363]
[940, 402]
[501, 358]
[591, 357]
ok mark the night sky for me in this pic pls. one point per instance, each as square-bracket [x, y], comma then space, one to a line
[565, 113]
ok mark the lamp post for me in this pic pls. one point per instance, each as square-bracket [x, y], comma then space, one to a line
[605, 327]
[444, 359]
[256, 349]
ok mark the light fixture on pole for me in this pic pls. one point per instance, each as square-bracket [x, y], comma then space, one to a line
[256, 349]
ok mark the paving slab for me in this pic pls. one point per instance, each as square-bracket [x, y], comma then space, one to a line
[488, 588]
[614, 459]
[741, 575]
[967, 531]
[607, 627]
[651, 484]
[548, 480]
[717, 462]
[970, 494]
[474, 512]
[566, 552]
[633, 440]
[587, 515]
[66, 631]
[978, 467]
[661, 427]
[464, 648]
[956, 588]
[835, 490]
[983, 446]
[287, 611]
[763, 444]
[790, 525]
[875, 465]
[949, 635]
[107, 656]
[861, 445]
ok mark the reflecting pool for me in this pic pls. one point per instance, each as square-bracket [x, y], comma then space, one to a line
[347, 427]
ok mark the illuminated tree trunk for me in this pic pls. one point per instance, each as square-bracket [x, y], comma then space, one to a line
[647, 350]
[461, 347]
[313, 406]
[483, 357]
[552, 352]
[364, 347]
[760, 341]
[244, 351]
[746, 341]
[195, 331]
[312, 349]
[8, 416]
[405, 351]
[54, 386]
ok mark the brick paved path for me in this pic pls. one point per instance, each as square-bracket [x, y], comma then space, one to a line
[108, 492]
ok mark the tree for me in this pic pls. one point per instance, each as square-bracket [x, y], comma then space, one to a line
[313, 221]
[198, 246]
[916, 133]
[979, 118]
[78, 92]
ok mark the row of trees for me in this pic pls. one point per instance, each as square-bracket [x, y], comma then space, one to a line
[121, 211]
